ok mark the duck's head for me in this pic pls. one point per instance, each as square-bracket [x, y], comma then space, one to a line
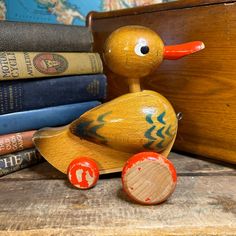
[135, 51]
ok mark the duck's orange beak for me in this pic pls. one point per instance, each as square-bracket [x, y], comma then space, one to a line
[174, 52]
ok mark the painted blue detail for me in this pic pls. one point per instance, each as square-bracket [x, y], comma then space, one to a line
[160, 118]
[149, 118]
[148, 145]
[168, 131]
[159, 132]
[84, 124]
[85, 132]
[159, 145]
[93, 131]
[81, 129]
[101, 117]
[95, 128]
[148, 133]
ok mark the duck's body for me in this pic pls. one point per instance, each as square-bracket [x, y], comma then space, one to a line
[132, 123]
[112, 132]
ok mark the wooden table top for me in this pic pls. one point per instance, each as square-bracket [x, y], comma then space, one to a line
[40, 201]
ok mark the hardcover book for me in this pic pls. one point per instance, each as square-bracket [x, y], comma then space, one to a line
[14, 142]
[36, 37]
[45, 117]
[23, 65]
[40, 93]
[12, 162]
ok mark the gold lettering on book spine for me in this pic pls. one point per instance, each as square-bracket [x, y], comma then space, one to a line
[8, 65]
[28, 63]
[20, 65]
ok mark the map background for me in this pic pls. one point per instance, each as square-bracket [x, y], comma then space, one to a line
[62, 11]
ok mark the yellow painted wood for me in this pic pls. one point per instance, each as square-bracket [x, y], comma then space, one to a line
[134, 85]
[59, 146]
[132, 123]
[123, 55]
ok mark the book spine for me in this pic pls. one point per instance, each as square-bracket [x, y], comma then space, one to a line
[14, 142]
[45, 117]
[16, 161]
[36, 37]
[24, 65]
[35, 94]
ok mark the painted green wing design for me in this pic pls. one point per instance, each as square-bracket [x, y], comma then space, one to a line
[89, 129]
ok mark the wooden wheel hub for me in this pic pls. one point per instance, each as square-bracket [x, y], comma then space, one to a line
[149, 178]
[83, 173]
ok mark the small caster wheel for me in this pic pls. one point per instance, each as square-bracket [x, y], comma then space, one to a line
[149, 178]
[83, 173]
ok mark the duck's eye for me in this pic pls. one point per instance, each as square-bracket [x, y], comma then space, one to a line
[144, 49]
[141, 49]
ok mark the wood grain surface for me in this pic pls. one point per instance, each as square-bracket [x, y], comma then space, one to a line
[201, 86]
[40, 201]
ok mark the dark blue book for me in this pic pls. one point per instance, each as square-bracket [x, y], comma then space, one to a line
[44, 117]
[31, 94]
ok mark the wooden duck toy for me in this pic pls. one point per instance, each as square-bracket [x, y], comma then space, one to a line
[135, 131]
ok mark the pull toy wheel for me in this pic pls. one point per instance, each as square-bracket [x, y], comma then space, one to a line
[149, 178]
[83, 173]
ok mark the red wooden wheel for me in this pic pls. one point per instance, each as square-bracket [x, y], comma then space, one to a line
[83, 173]
[149, 178]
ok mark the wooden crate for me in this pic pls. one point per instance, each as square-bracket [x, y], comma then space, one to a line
[202, 86]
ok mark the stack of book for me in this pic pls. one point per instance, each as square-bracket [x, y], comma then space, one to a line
[49, 76]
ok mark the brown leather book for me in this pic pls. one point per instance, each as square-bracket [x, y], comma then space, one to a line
[14, 142]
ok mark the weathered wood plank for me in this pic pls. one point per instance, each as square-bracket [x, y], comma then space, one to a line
[40, 171]
[203, 205]
[111, 231]
[185, 165]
